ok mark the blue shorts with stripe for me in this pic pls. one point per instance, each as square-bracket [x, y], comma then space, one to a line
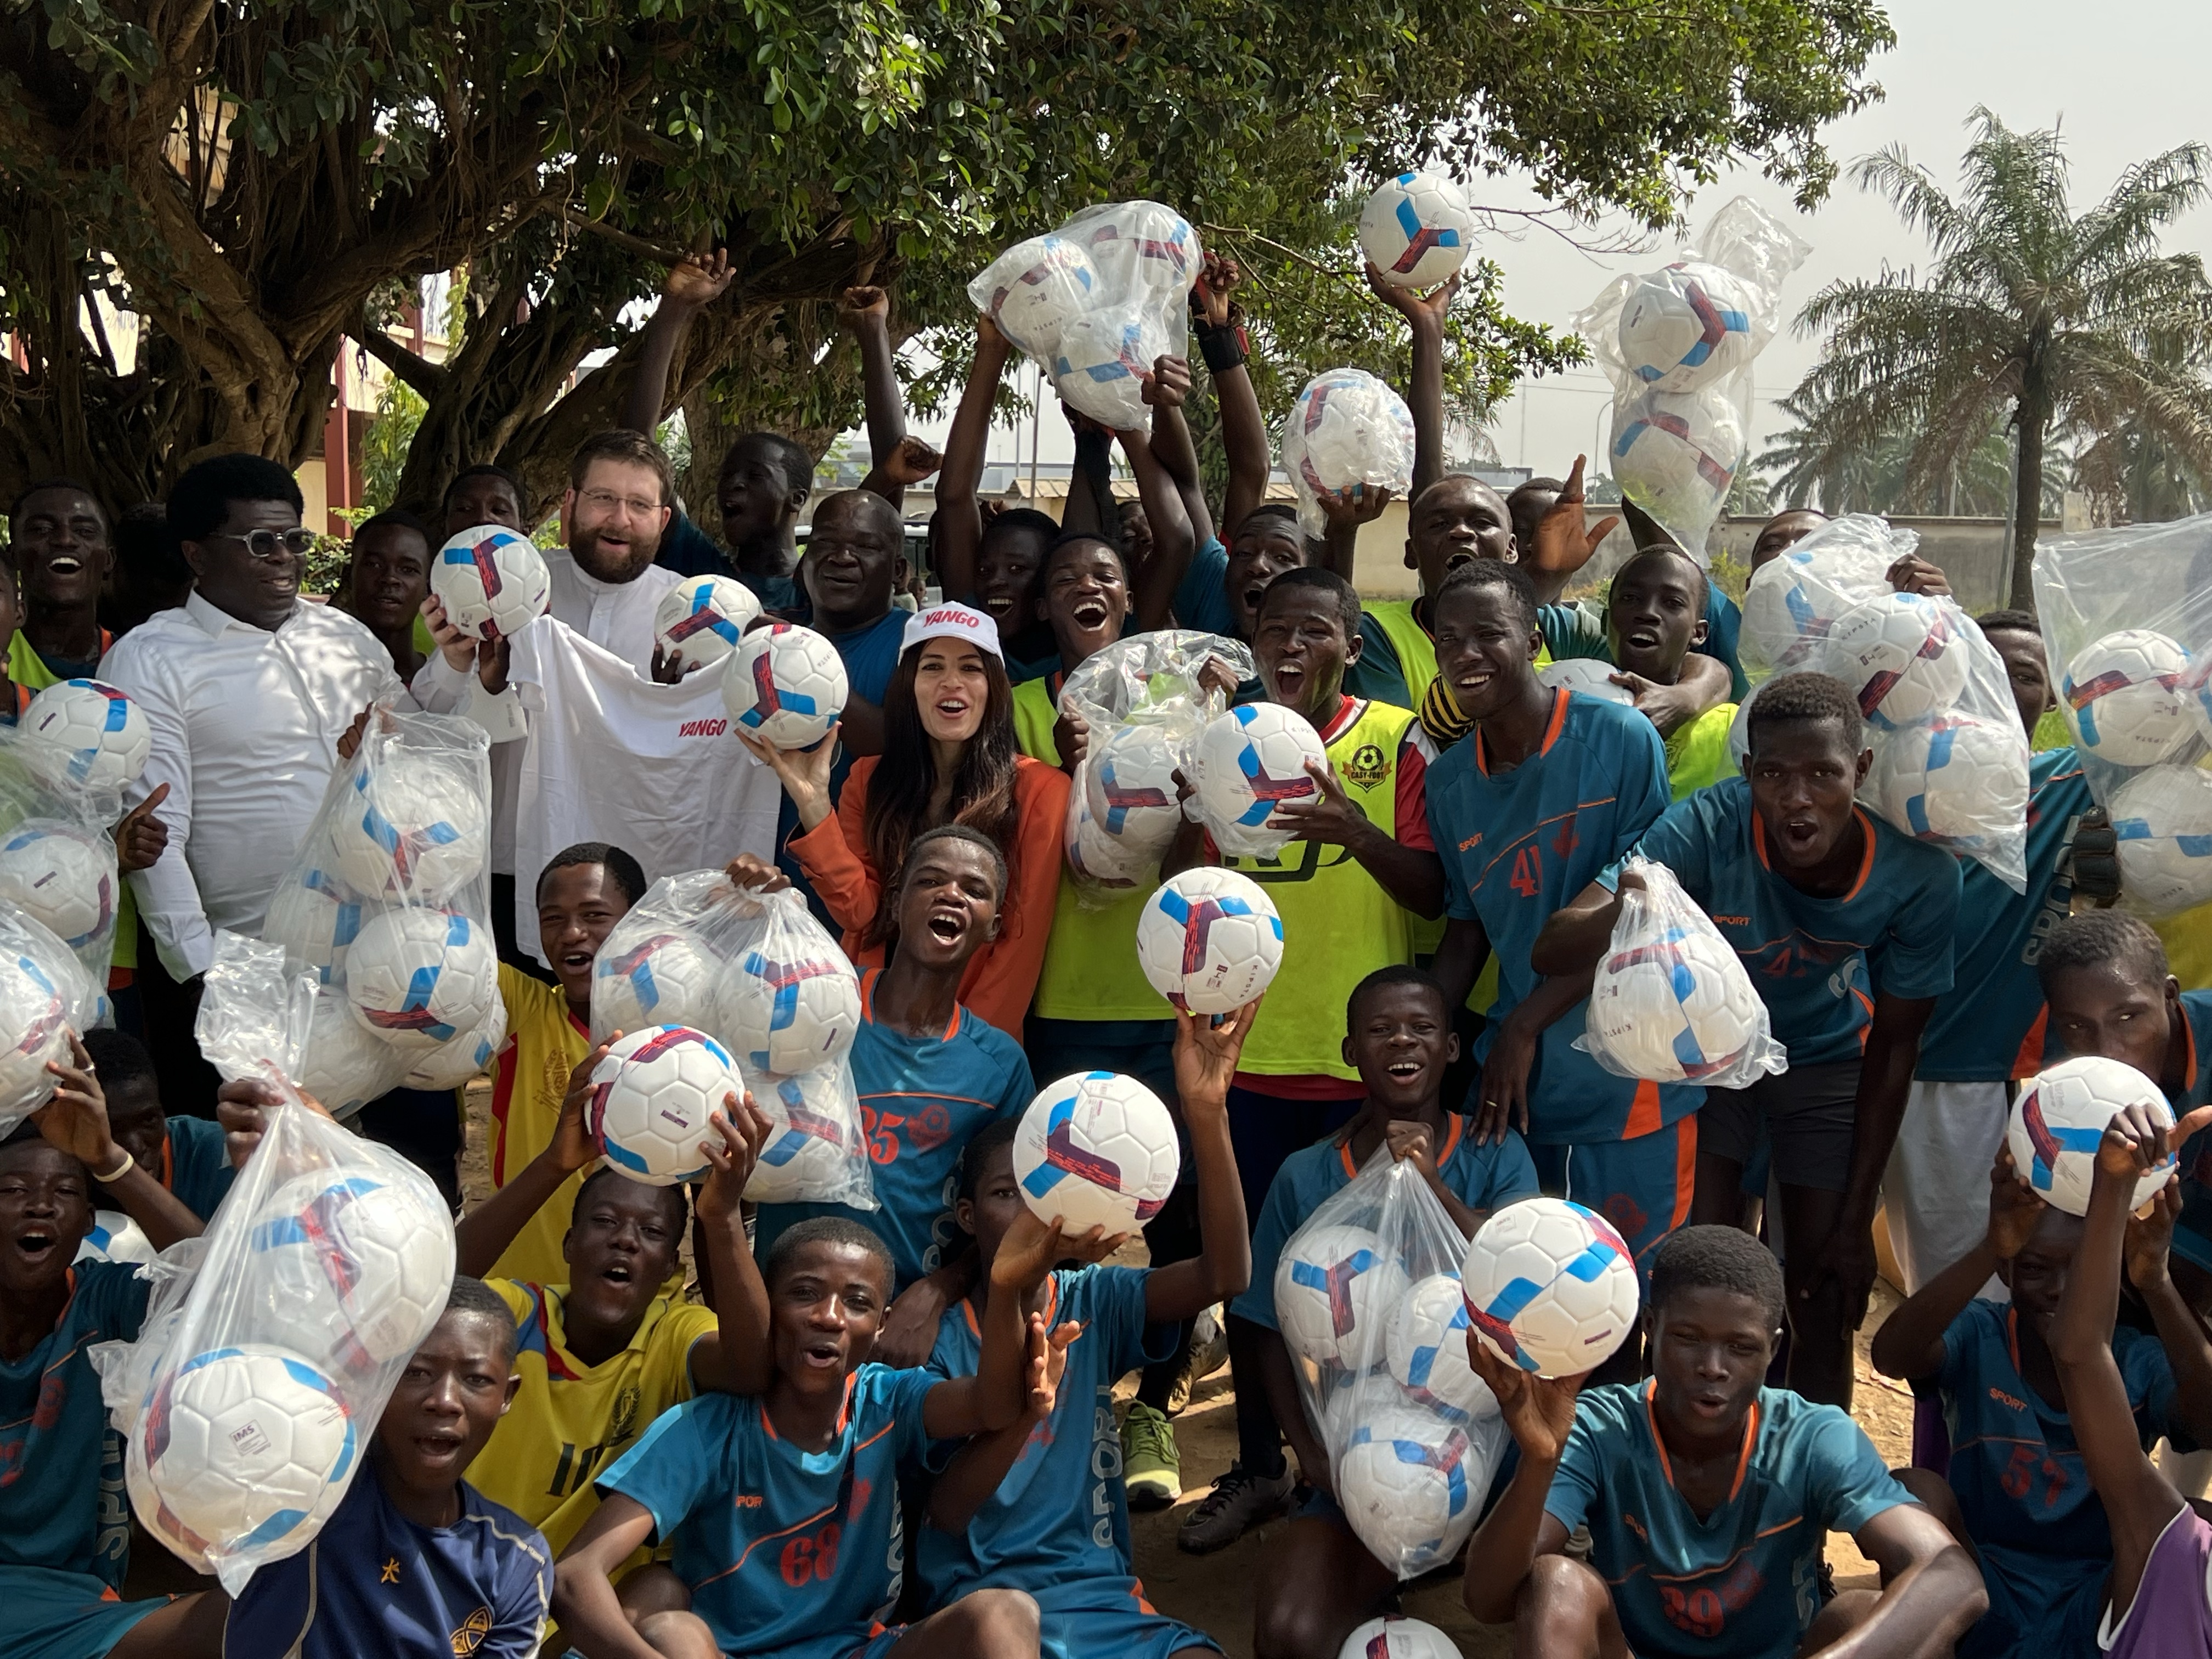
[51, 1614]
[1642, 1187]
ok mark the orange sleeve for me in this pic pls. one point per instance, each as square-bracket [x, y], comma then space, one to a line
[834, 855]
[1001, 980]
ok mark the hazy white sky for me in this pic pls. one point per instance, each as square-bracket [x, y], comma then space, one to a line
[2123, 80]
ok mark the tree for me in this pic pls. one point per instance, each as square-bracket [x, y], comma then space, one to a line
[2032, 316]
[253, 182]
[1819, 468]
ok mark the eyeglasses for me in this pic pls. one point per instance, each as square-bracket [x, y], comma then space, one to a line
[606, 502]
[268, 544]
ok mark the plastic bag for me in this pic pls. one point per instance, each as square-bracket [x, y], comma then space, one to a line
[1097, 301]
[45, 994]
[247, 1403]
[1367, 1296]
[1145, 704]
[1679, 344]
[1671, 1002]
[1794, 600]
[57, 853]
[2127, 620]
[388, 905]
[1348, 428]
[761, 976]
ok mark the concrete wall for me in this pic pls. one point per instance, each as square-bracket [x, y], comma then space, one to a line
[1971, 552]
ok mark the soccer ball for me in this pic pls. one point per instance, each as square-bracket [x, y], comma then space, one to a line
[1394, 1636]
[419, 977]
[1550, 1286]
[2163, 818]
[116, 1238]
[1789, 610]
[1252, 760]
[90, 732]
[1096, 1150]
[1360, 1399]
[808, 1145]
[785, 685]
[1129, 787]
[651, 1097]
[792, 1012]
[467, 1056]
[1348, 428]
[1417, 229]
[410, 828]
[1403, 1480]
[702, 617]
[316, 921]
[35, 1024]
[1101, 362]
[1901, 654]
[1426, 1349]
[1336, 1289]
[349, 1270]
[240, 1445]
[2061, 1116]
[1673, 1011]
[662, 979]
[2122, 696]
[1686, 327]
[2197, 686]
[348, 1063]
[1049, 283]
[1954, 778]
[1209, 940]
[492, 582]
[61, 880]
[1589, 676]
[1675, 454]
[1102, 859]
[1139, 244]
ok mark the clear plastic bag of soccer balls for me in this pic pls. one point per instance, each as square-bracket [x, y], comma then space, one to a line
[2127, 620]
[1679, 344]
[1142, 701]
[61, 795]
[45, 994]
[388, 904]
[1347, 430]
[328, 1262]
[1095, 302]
[1671, 1002]
[760, 977]
[1368, 1301]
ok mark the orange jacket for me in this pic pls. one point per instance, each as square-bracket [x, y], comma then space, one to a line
[1002, 977]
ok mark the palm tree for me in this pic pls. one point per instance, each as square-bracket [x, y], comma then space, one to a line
[1817, 468]
[2031, 317]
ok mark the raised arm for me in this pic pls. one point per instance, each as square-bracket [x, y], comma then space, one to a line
[994, 1397]
[1414, 876]
[1344, 511]
[2180, 1332]
[1154, 585]
[1565, 541]
[75, 1120]
[480, 1237]
[1910, 1344]
[1540, 1413]
[1172, 445]
[1204, 1060]
[978, 1468]
[959, 524]
[694, 282]
[1425, 316]
[1218, 328]
[738, 1357]
[1931, 1590]
[894, 459]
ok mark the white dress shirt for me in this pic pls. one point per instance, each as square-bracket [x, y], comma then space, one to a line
[245, 724]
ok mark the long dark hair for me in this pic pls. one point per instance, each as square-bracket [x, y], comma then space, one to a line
[898, 794]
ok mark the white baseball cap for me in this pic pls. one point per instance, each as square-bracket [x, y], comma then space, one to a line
[950, 621]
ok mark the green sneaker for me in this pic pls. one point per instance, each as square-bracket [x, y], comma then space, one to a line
[1152, 1468]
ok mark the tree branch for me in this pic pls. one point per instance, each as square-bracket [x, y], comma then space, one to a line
[418, 373]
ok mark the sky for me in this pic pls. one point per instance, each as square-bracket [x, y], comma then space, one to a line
[2118, 93]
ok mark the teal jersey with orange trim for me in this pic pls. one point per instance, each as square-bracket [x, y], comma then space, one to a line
[2192, 1231]
[920, 1100]
[1818, 962]
[779, 1546]
[196, 1164]
[1520, 844]
[1745, 1582]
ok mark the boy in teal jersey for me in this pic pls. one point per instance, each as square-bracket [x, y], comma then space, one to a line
[2015, 1492]
[1550, 789]
[1041, 1507]
[1844, 924]
[1708, 1497]
[185, 1154]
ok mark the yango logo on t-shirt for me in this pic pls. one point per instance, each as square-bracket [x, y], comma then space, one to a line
[714, 728]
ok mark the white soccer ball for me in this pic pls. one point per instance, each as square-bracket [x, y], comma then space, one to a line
[492, 582]
[2163, 818]
[1096, 1150]
[651, 1097]
[1427, 1348]
[418, 977]
[1590, 676]
[240, 1446]
[808, 1144]
[1902, 655]
[790, 1012]
[316, 919]
[1675, 454]
[470, 1055]
[1417, 229]
[1129, 786]
[348, 1063]
[1405, 1482]
[61, 879]
[2061, 1116]
[1049, 283]
[1210, 941]
[1394, 1636]
[1103, 860]
[1336, 1289]
[88, 731]
[665, 978]
[784, 684]
[1954, 778]
[701, 619]
[1359, 1399]
[1252, 760]
[1137, 245]
[1102, 361]
[34, 1027]
[410, 828]
[1686, 327]
[1789, 610]
[2122, 696]
[116, 1238]
[349, 1271]
[1550, 1286]
[1675, 1010]
[1348, 428]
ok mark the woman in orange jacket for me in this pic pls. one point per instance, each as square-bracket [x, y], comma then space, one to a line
[950, 757]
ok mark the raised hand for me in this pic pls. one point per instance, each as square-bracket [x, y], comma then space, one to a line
[573, 1146]
[1218, 279]
[756, 874]
[804, 773]
[1046, 1365]
[140, 837]
[1328, 816]
[1564, 543]
[1030, 1248]
[242, 1108]
[740, 1130]
[2015, 1209]
[76, 1119]
[1539, 1411]
[1354, 506]
[2149, 1240]
[1206, 1052]
[1169, 383]
[912, 461]
[861, 303]
[698, 280]
[1422, 310]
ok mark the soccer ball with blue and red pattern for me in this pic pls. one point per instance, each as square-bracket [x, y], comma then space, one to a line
[807, 1154]
[1348, 428]
[2060, 1118]
[56, 874]
[701, 619]
[1130, 785]
[1102, 361]
[347, 1064]
[790, 1010]
[651, 1097]
[1096, 1150]
[1426, 1350]
[1550, 1286]
[1137, 245]
[348, 1270]
[1394, 1636]
[1408, 1483]
[1674, 1009]
[1417, 229]
[316, 919]
[453, 1064]
[2162, 818]
[410, 827]
[1336, 1289]
[89, 733]
[1251, 761]
[667, 977]
[420, 977]
[1952, 778]
[1048, 283]
[2123, 695]
[34, 1024]
[1903, 656]
[1210, 941]
[492, 582]
[1686, 327]
[785, 684]
[116, 1238]
[1675, 454]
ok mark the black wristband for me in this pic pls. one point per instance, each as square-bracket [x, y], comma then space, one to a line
[1224, 348]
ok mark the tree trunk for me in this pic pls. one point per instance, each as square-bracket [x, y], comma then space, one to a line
[2033, 419]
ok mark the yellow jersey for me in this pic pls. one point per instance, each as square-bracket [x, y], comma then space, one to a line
[545, 1043]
